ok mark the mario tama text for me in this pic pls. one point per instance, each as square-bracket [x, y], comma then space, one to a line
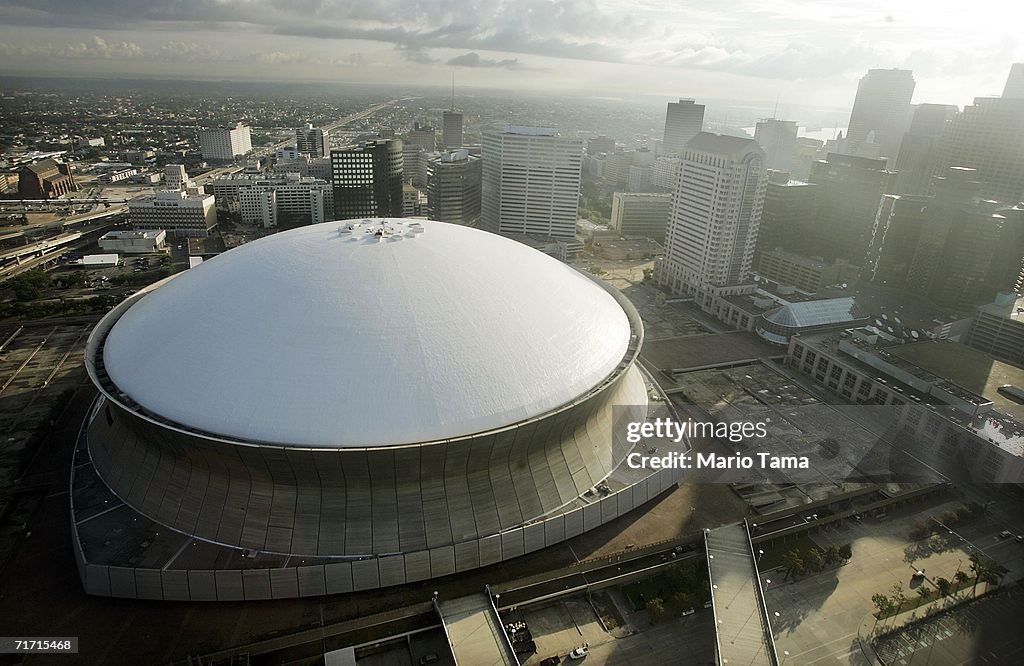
[717, 461]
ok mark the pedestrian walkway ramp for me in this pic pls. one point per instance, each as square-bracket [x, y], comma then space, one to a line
[475, 633]
[743, 631]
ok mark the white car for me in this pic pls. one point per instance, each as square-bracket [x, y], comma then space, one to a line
[580, 652]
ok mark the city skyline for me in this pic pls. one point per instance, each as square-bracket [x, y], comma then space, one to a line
[753, 51]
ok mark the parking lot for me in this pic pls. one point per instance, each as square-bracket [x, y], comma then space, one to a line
[986, 632]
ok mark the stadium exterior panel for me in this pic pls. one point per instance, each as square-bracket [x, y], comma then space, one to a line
[163, 509]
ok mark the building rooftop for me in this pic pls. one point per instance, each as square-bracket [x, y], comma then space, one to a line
[531, 131]
[1012, 309]
[349, 334]
[814, 313]
[131, 234]
[704, 351]
[722, 144]
[967, 367]
[961, 372]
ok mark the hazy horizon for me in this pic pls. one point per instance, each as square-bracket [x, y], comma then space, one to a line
[806, 54]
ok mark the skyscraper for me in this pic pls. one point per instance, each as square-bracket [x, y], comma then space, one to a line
[453, 187]
[683, 120]
[312, 141]
[778, 138]
[881, 113]
[988, 136]
[955, 248]
[787, 219]
[847, 194]
[422, 136]
[716, 210]
[919, 151]
[367, 180]
[451, 129]
[531, 182]
[1014, 88]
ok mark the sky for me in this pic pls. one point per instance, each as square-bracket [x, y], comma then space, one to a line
[804, 52]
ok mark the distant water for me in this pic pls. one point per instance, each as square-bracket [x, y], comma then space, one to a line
[821, 134]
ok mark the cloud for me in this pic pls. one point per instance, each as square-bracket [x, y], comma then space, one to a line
[189, 51]
[100, 48]
[473, 59]
[789, 40]
[416, 54]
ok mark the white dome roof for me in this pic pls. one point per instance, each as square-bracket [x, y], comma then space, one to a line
[314, 337]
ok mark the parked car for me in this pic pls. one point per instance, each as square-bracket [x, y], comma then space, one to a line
[580, 652]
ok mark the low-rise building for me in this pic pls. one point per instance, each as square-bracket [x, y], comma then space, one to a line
[177, 213]
[134, 242]
[810, 274]
[286, 202]
[640, 214]
[953, 418]
[999, 329]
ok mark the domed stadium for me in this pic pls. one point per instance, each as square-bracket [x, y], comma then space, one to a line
[353, 405]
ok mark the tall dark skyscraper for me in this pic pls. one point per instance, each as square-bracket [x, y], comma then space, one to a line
[367, 180]
[787, 220]
[312, 141]
[778, 138]
[451, 129]
[881, 113]
[683, 120]
[919, 152]
[847, 196]
[955, 248]
[453, 187]
[989, 136]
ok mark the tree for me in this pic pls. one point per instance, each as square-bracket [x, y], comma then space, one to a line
[815, 559]
[655, 609]
[961, 577]
[793, 563]
[898, 596]
[883, 603]
[684, 601]
[944, 585]
[832, 554]
[29, 285]
[922, 592]
[846, 551]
